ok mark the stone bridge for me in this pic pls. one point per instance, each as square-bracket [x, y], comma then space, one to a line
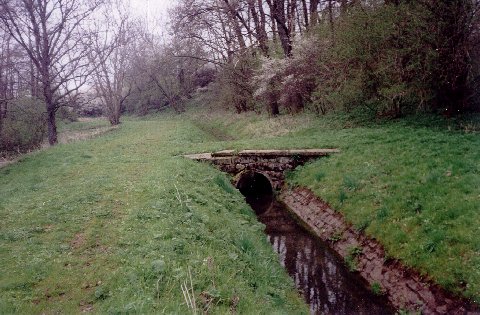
[260, 166]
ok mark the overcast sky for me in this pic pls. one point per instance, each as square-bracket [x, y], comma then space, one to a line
[153, 11]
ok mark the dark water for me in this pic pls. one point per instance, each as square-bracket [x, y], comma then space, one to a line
[319, 274]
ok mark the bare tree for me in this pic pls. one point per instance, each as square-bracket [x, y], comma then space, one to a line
[258, 16]
[14, 74]
[5, 76]
[50, 31]
[282, 19]
[110, 57]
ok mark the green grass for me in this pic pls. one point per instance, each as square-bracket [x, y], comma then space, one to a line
[413, 184]
[117, 222]
[417, 190]
[85, 124]
[120, 222]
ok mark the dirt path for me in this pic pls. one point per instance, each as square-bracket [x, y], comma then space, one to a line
[76, 135]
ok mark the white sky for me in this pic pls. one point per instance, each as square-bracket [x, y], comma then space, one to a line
[153, 11]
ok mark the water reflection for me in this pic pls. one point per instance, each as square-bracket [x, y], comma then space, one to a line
[321, 277]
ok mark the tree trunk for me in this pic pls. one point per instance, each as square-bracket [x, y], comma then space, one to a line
[305, 13]
[51, 108]
[260, 32]
[114, 119]
[291, 9]
[3, 95]
[272, 21]
[232, 17]
[1, 120]
[451, 21]
[344, 4]
[274, 111]
[273, 98]
[314, 12]
[331, 21]
[277, 9]
[52, 126]
[263, 23]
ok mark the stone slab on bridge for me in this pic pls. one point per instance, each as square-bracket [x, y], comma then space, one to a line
[270, 163]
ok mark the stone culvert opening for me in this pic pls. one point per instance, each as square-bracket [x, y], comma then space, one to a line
[257, 190]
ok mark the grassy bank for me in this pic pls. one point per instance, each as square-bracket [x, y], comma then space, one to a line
[119, 223]
[414, 184]
[116, 223]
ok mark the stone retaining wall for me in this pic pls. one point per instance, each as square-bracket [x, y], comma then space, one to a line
[271, 163]
[405, 288]
[273, 167]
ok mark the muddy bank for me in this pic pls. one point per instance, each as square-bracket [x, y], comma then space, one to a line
[404, 288]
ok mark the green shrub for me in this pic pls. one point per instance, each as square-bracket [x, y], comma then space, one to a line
[67, 114]
[383, 59]
[233, 87]
[24, 126]
[377, 288]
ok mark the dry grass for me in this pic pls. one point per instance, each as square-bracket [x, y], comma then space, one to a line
[228, 126]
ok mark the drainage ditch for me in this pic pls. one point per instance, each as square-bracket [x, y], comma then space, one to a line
[320, 275]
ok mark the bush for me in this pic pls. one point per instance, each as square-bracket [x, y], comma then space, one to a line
[268, 83]
[405, 57]
[67, 114]
[386, 60]
[24, 126]
[233, 86]
[290, 83]
[91, 108]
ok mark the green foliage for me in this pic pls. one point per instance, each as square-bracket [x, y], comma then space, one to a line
[377, 288]
[351, 260]
[232, 87]
[67, 114]
[337, 236]
[351, 263]
[382, 60]
[319, 176]
[354, 251]
[225, 184]
[342, 196]
[24, 126]
[350, 183]
[363, 224]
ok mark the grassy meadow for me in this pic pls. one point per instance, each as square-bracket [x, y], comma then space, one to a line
[121, 223]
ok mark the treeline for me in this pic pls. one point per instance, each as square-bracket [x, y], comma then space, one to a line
[386, 57]
[61, 58]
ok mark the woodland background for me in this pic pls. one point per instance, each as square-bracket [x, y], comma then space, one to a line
[380, 59]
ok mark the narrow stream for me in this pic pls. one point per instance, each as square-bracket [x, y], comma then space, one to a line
[319, 274]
